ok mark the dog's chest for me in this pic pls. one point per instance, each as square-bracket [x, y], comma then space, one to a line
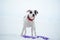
[28, 22]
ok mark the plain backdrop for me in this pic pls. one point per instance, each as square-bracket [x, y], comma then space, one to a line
[47, 21]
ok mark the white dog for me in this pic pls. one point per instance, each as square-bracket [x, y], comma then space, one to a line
[29, 22]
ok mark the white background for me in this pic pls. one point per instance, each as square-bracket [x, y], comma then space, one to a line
[47, 21]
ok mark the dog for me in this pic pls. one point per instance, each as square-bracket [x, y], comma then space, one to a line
[29, 22]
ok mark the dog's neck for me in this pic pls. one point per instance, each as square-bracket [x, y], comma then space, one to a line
[29, 18]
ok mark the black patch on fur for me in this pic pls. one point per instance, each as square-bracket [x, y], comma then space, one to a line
[36, 12]
[29, 11]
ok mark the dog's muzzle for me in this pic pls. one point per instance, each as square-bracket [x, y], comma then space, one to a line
[33, 15]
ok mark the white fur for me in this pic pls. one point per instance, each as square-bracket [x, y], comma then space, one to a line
[28, 23]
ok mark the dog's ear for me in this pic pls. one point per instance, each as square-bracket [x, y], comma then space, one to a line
[36, 12]
[30, 11]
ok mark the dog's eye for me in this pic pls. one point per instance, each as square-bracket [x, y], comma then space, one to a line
[30, 12]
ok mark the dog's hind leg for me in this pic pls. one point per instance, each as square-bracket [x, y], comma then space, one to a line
[24, 29]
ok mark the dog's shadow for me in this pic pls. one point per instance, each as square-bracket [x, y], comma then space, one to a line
[35, 37]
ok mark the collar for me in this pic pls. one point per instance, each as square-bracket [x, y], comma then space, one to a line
[29, 18]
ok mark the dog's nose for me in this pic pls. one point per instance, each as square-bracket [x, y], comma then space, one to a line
[33, 15]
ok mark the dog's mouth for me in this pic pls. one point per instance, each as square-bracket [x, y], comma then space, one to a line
[30, 19]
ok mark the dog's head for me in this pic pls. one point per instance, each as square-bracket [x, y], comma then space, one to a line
[32, 14]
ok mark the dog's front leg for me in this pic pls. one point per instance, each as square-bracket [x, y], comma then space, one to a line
[32, 31]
